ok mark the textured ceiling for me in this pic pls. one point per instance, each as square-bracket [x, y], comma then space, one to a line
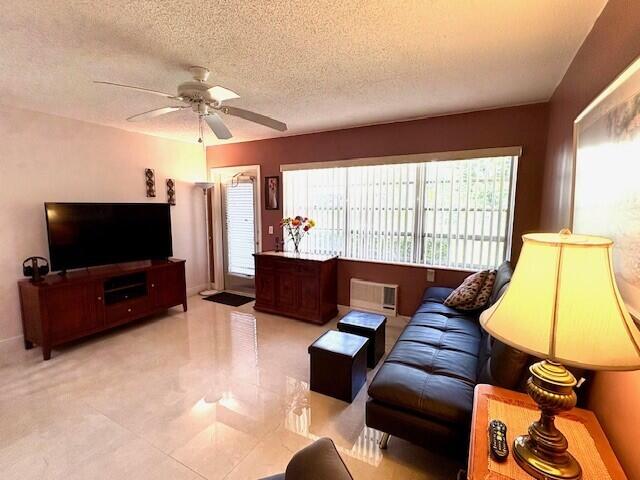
[317, 65]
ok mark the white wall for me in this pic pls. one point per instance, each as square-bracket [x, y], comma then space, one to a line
[49, 158]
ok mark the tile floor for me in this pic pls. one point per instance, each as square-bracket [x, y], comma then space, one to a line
[216, 393]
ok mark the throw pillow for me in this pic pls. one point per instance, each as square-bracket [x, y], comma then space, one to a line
[474, 292]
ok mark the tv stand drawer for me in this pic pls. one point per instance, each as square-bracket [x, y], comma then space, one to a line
[123, 311]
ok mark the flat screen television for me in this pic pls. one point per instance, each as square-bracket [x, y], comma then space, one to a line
[90, 234]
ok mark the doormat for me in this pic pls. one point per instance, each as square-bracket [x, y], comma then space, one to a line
[230, 299]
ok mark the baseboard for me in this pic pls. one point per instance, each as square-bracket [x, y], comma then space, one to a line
[194, 290]
[12, 344]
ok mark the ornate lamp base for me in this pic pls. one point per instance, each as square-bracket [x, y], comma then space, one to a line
[543, 452]
[539, 466]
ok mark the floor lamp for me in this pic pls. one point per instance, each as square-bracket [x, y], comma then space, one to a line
[206, 186]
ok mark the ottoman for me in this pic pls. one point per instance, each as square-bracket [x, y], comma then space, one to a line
[369, 325]
[338, 364]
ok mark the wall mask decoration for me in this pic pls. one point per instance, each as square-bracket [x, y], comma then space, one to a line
[171, 191]
[150, 181]
[272, 193]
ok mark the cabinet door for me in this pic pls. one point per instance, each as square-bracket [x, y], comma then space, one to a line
[309, 291]
[265, 287]
[95, 301]
[286, 291]
[69, 311]
[167, 285]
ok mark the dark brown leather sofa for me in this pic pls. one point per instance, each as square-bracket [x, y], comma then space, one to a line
[423, 392]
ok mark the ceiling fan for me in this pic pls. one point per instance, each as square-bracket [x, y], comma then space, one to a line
[205, 100]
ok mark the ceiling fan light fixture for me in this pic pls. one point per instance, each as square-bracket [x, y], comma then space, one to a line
[201, 74]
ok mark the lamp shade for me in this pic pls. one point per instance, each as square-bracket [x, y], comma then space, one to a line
[563, 304]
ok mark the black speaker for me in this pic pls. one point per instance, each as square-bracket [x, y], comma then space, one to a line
[30, 268]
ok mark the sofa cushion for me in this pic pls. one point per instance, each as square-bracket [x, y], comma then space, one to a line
[436, 294]
[485, 352]
[436, 307]
[442, 397]
[503, 277]
[435, 361]
[442, 322]
[463, 341]
[504, 366]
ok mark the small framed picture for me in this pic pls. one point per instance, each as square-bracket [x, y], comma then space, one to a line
[272, 193]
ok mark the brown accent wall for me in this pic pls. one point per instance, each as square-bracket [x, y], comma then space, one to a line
[503, 127]
[612, 44]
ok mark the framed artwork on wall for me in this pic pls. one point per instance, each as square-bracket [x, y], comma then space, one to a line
[171, 191]
[150, 181]
[606, 195]
[272, 193]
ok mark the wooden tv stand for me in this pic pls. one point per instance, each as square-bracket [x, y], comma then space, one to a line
[62, 308]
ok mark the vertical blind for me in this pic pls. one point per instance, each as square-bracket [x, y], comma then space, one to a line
[455, 213]
[240, 227]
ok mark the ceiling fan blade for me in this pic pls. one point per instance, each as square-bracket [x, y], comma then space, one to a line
[156, 112]
[217, 126]
[147, 90]
[255, 117]
[222, 94]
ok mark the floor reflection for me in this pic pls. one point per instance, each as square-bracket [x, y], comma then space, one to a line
[313, 416]
[238, 404]
[216, 393]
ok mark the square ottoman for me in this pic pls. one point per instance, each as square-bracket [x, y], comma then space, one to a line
[338, 364]
[369, 325]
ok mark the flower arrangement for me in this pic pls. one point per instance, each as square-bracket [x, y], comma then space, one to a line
[297, 228]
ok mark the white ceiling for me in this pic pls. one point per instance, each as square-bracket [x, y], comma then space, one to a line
[317, 65]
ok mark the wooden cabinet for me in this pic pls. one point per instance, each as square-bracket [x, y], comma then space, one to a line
[299, 286]
[63, 308]
[162, 286]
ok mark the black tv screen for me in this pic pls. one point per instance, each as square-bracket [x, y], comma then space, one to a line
[90, 234]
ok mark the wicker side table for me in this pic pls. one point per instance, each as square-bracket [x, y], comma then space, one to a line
[587, 441]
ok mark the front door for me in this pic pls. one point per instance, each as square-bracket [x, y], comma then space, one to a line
[239, 233]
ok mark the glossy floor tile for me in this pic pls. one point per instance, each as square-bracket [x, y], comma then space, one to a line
[218, 392]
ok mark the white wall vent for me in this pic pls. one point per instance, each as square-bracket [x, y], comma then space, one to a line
[374, 297]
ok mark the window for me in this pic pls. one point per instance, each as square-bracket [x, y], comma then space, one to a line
[449, 213]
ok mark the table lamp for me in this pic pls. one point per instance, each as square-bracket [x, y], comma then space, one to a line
[562, 305]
